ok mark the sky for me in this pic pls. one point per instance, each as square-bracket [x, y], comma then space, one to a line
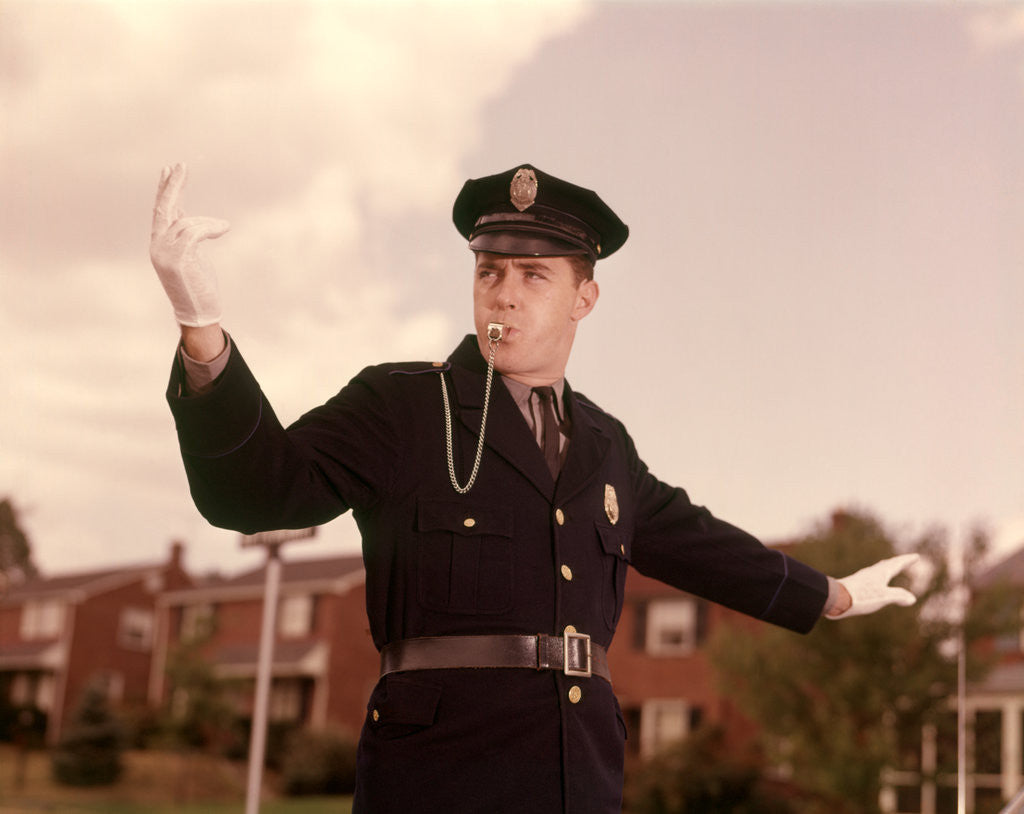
[818, 306]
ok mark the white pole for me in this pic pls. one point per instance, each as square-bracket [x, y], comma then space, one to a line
[961, 691]
[258, 731]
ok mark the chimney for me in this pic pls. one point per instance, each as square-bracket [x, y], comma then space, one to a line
[177, 555]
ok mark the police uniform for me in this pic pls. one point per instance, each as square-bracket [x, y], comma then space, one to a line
[493, 608]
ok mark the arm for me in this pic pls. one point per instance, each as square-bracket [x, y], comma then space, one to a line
[203, 344]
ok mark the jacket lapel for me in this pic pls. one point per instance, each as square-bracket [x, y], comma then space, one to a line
[587, 450]
[508, 435]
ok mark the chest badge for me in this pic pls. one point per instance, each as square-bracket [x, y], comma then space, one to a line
[611, 503]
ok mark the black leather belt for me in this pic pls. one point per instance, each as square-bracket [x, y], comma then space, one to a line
[572, 653]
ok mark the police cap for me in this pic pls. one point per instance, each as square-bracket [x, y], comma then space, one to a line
[525, 211]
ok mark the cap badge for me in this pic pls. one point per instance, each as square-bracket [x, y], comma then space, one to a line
[523, 189]
[611, 503]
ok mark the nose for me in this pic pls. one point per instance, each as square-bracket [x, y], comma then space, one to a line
[507, 293]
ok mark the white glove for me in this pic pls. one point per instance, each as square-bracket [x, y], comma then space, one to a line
[870, 590]
[191, 284]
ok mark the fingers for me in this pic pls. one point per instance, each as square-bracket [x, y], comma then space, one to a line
[165, 210]
[894, 565]
[199, 228]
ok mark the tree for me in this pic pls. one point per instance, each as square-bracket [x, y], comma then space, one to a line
[831, 705]
[15, 550]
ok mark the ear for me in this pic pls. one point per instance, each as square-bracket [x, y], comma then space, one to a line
[586, 298]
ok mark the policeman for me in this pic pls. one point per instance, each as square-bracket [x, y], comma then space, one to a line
[498, 508]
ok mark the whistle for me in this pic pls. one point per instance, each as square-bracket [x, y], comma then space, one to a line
[495, 331]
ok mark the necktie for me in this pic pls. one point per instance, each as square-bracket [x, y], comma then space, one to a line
[550, 438]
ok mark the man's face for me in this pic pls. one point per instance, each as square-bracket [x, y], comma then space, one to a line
[539, 302]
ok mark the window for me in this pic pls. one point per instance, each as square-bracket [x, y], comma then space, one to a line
[988, 741]
[32, 690]
[135, 630]
[662, 722]
[285, 702]
[671, 627]
[111, 683]
[295, 616]
[42, 619]
[197, 621]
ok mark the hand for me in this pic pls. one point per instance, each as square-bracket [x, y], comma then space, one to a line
[869, 587]
[189, 282]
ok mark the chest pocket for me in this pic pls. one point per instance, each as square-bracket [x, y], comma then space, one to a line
[615, 544]
[464, 556]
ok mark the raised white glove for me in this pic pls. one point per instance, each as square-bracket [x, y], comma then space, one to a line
[870, 590]
[190, 283]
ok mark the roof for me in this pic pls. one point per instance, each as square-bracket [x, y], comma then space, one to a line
[299, 657]
[31, 656]
[1008, 570]
[336, 574]
[78, 586]
[1002, 679]
[326, 568]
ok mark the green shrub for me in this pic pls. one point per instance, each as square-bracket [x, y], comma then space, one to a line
[89, 752]
[703, 774]
[319, 762]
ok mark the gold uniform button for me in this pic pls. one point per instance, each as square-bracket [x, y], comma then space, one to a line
[376, 716]
[566, 573]
[575, 694]
[469, 522]
[560, 517]
[622, 550]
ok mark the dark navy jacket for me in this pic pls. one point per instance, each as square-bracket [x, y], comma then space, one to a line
[508, 740]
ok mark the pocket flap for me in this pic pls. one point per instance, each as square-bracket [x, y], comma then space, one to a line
[468, 519]
[615, 542]
[406, 702]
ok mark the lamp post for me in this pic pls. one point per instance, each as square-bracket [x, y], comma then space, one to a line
[272, 542]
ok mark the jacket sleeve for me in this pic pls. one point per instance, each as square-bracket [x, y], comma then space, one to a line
[248, 473]
[687, 547]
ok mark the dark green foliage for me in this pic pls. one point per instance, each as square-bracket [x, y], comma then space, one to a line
[834, 705]
[319, 762]
[199, 715]
[703, 775]
[89, 753]
[15, 550]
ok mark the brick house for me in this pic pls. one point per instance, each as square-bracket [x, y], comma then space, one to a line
[660, 668]
[59, 633]
[325, 664]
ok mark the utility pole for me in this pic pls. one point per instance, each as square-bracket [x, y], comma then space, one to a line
[272, 542]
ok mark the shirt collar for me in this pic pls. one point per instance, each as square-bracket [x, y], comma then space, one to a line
[521, 394]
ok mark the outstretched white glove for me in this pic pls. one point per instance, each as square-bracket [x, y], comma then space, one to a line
[869, 587]
[190, 283]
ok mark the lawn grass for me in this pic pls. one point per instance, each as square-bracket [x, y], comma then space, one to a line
[152, 783]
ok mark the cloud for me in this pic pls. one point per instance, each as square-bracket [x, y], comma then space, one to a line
[998, 26]
[304, 124]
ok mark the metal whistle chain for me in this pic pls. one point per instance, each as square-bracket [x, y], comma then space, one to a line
[495, 333]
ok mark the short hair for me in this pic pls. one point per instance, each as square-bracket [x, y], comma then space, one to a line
[582, 266]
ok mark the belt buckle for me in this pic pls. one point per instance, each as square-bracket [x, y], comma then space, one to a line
[582, 637]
